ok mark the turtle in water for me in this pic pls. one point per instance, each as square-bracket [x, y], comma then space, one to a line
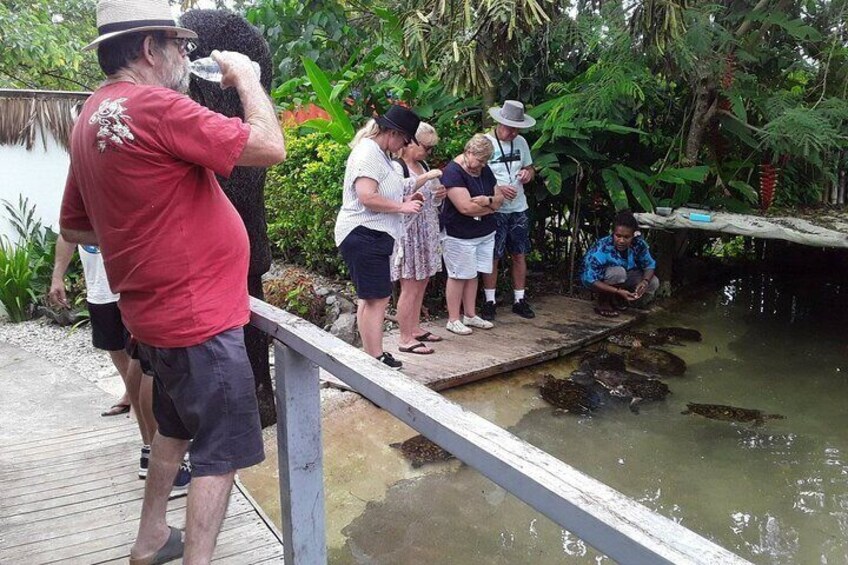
[419, 451]
[636, 387]
[568, 395]
[602, 360]
[639, 339]
[679, 334]
[655, 362]
[730, 413]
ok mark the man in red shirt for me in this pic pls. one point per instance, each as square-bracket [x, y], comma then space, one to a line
[142, 186]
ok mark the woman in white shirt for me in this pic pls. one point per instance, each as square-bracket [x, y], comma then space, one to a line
[371, 219]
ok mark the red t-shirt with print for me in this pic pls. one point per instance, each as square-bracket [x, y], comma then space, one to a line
[142, 176]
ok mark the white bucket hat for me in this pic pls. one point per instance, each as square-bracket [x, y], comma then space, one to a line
[512, 114]
[119, 17]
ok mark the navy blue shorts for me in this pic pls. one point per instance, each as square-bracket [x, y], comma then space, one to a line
[107, 328]
[367, 254]
[206, 393]
[513, 234]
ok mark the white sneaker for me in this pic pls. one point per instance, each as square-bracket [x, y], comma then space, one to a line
[477, 322]
[458, 328]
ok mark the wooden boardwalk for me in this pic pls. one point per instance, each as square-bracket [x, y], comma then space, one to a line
[561, 326]
[75, 497]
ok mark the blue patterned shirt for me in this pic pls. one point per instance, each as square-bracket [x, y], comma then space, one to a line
[604, 254]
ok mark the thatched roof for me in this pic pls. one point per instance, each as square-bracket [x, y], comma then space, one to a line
[23, 113]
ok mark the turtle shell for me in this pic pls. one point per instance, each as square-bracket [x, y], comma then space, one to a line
[419, 451]
[655, 362]
[730, 413]
[567, 395]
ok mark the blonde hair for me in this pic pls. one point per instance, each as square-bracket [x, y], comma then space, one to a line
[369, 131]
[480, 146]
[424, 130]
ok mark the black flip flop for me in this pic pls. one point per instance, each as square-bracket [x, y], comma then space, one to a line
[427, 336]
[173, 549]
[414, 349]
[116, 410]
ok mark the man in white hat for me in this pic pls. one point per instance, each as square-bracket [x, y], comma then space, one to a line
[513, 167]
[142, 186]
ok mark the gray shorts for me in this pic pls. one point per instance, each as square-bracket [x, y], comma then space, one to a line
[617, 276]
[206, 393]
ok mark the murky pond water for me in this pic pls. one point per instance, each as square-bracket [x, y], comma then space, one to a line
[776, 493]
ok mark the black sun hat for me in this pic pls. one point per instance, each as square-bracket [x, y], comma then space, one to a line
[401, 119]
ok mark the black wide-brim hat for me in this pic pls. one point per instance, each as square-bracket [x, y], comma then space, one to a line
[401, 119]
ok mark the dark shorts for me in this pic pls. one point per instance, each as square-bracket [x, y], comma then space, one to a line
[513, 234]
[367, 254]
[206, 393]
[107, 328]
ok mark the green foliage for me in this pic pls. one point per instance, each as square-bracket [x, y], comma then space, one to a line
[16, 279]
[42, 44]
[38, 241]
[338, 126]
[303, 196]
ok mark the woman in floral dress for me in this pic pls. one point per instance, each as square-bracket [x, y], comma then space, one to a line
[418, 255]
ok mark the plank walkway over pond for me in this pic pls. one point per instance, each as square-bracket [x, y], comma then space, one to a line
[562, 325]
[75, 497]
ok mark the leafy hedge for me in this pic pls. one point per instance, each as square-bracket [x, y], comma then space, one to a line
[302, 197]
[304, 193]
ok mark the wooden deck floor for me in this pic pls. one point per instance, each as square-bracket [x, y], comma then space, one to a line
[561, 326]
[75, 498]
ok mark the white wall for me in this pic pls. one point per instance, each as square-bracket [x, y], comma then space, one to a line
[37, 174]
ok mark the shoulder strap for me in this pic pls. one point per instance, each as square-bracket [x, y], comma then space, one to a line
[424, 166]
[403, 167]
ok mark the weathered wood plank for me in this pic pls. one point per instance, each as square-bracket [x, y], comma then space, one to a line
[97, 487]
[62, 437]
[114, 475]
[268, 553]
[301, 464]
[611, 522]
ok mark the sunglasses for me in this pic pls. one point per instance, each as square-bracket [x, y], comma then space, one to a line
[185, 45]
[428, 148]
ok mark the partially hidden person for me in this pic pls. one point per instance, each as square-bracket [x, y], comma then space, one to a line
[109, 334]
[141, 185]
[473, 197]
[512, 165]
[619, 267]
[418, 255]
[370, 220]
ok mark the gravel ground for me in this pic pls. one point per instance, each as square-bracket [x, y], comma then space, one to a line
[72, 350]
[67, 348]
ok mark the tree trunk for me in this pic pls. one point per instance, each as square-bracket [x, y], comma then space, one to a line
[705, 108]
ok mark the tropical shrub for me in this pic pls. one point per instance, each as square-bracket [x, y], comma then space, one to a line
[16, 277]
[303, 196]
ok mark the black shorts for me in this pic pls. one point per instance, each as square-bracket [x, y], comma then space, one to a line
[367, 254]
[206, 393]
[107, 329]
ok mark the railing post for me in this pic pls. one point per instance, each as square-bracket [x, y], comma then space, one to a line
[300, 457]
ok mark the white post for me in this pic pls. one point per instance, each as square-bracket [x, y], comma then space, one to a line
[299, 454]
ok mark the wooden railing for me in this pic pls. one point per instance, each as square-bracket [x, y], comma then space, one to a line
[614, 524]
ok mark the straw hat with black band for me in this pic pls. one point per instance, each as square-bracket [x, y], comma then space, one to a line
[120, 17]
[400, 119]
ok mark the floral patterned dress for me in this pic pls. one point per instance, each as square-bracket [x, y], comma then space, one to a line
[418, 254]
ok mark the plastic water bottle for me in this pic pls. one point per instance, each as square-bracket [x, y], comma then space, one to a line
[207, 69]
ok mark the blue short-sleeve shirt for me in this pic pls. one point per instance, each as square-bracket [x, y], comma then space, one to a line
[604, 254]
